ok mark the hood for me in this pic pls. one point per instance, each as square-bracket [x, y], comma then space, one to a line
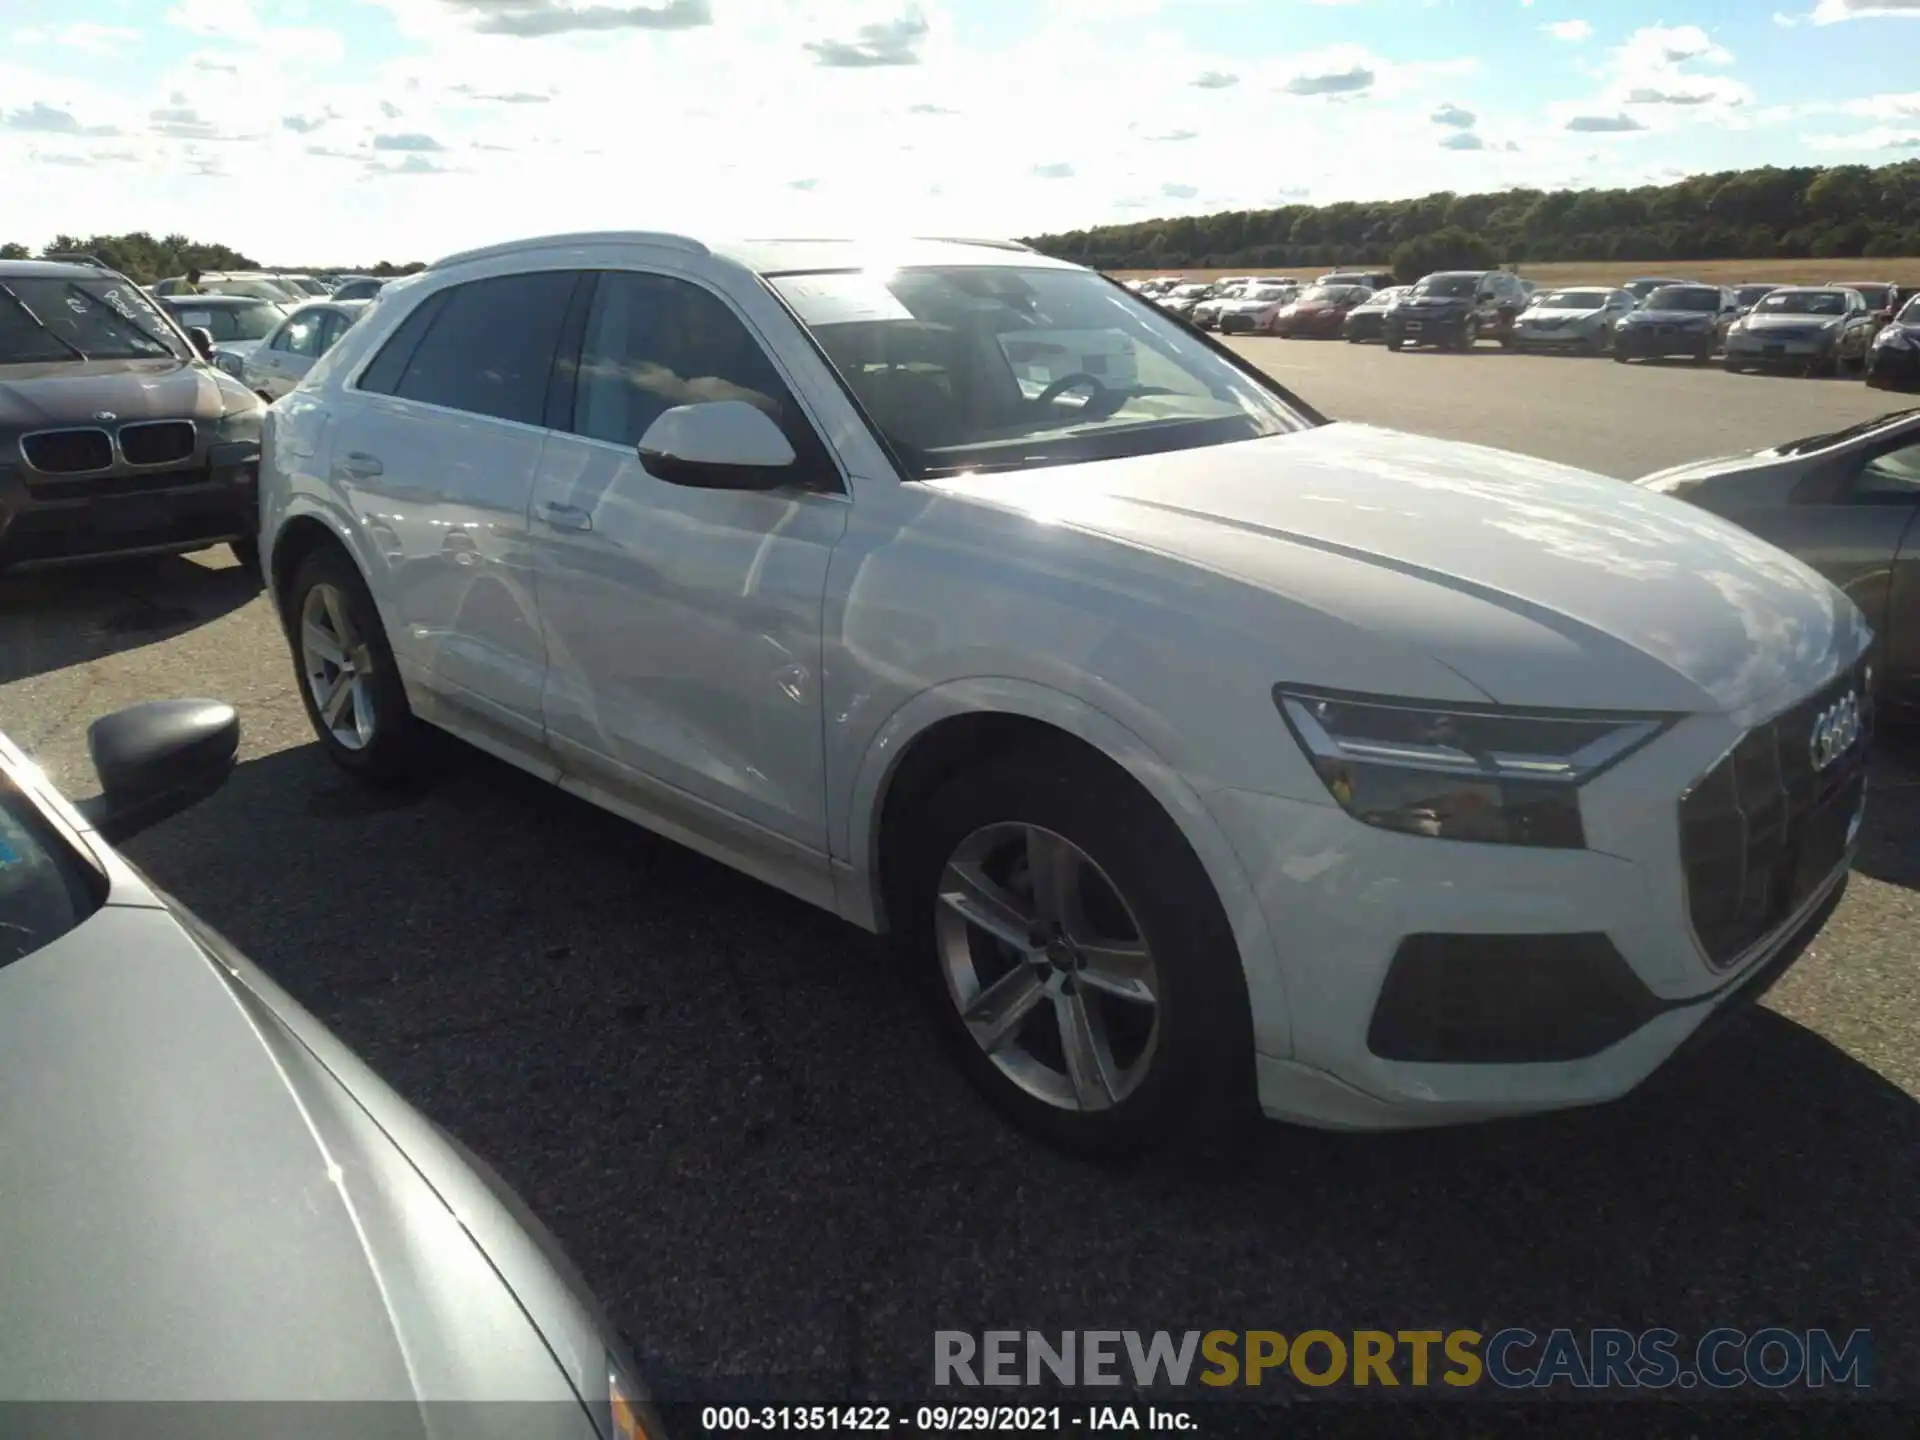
[1537, 583]
[197, 1209]
[69, 392]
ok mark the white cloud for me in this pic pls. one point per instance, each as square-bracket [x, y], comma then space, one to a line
[1831, 12]
[1571, 30]
[84, 36]
[1883, 137]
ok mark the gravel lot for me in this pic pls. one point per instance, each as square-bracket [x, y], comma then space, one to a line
[726, 1106]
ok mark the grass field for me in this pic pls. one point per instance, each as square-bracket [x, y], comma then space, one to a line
[1903, 271]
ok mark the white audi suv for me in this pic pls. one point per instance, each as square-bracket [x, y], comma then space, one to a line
[1195, 748]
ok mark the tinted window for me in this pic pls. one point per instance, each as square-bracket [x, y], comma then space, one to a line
[383, 375]
[652, 343]
[490, 349]
[44, 318]
[302, 336]
[1895, 474]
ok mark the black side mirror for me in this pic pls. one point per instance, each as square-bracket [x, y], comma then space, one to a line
[157, 759]
[202, 339]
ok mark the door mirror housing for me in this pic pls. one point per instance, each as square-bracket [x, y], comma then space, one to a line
[718, 445]
[202, 339]
[157, 759]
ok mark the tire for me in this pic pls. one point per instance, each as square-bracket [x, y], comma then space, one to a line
[1620, 356]
[1394, 345]
[387, 740]
[1193, 1070]
[247, 553]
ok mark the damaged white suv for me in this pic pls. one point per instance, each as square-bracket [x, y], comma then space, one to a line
[1196, 748]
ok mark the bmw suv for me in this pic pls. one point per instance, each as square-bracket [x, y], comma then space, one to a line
[116, 435]
[1194, 748]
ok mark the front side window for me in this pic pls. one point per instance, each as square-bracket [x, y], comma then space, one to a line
[302, 336]
[489, 347]
[1893, 476]
[45, 891]
[654, 342]
[1001, 368]
[232, 322]
[48, 318]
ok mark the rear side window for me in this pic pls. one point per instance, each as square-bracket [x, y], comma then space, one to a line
[383, 374]
[489, 350]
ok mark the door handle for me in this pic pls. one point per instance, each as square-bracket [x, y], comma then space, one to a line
[360, 465]
[565, 517]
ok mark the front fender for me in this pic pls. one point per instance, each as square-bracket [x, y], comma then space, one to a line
[857, 880]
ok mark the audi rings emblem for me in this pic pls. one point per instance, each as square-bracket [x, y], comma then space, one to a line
[1835, 729]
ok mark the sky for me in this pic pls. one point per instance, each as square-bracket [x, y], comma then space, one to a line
[351, 131]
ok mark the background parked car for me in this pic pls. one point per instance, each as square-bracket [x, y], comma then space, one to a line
[282, 359]
[1182, 298]
[358, 287]
[1318, 311]
[1814, 330]
[233, 282]
[1372, 279]
[1452, 309]
[296, 1228]
[1366, 320]
[131, 442]
[1880, 296]
[1687, 320]
[236, 323]
[1255, 308]
[1748, 296]
[1846, 503]
[1206, 314]
[1893, 360]
[1575, 318]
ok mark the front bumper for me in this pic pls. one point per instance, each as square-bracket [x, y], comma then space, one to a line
[1559, 337]
[1439, 328]
[1239, 323]
[1599, 973]
[1363, 327]
[1655, 342]
[73, 519]
[1763, 350]
[1893, 369]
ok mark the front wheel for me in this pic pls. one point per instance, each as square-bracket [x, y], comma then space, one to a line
[1394, 345]
[1078, 962]
[247, 553]
[1619, 356]
[344, 667]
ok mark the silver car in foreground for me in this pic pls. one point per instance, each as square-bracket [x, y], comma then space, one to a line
[210, 1199]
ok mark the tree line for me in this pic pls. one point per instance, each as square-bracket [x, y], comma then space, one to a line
[1794, 212]
[145, 258]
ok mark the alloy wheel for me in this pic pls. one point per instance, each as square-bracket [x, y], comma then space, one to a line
[338, 667]
[1047, 966]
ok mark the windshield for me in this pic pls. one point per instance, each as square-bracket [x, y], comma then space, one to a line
[1640, 289]
[1684, 297]
[231, 322]
[1910, 312]
[1841, 437]
[1876, 296]
[1001, 368]
[1190, 292]
[1448, 286]
[1751, 295]
[1572, 300]
[308, 286]
[1380, 299]
[258, 289]
[1803, 302]
[1269, 292]
[44, 889]
[53, 318]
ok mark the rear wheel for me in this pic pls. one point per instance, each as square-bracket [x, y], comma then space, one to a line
[1078, 962]
[344, 666]
[1394, 344]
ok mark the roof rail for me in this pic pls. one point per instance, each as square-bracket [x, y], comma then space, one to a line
[73, 257]
[977, 240]
[584, 237]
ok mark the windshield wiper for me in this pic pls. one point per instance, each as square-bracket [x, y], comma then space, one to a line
[27, 310]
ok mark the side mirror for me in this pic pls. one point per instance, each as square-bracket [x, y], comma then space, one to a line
[719, 445]
[202, 339]
[157, 759]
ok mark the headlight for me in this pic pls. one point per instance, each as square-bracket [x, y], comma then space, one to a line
[1461, 772]
[1892, 338]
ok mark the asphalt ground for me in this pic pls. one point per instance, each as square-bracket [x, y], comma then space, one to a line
[728, 1107]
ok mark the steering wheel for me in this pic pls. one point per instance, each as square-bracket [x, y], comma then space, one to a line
[1070, 382]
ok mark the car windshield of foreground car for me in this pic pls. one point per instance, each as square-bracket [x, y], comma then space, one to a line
[1803, 302]
[1448, 287]
[1571, 300]
[232, 322]
[1684, 297]
[45, 891]
[45, 317]
[1828, 439]
[1001, 368]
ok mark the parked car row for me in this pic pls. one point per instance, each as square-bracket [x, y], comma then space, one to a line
[1856, 327]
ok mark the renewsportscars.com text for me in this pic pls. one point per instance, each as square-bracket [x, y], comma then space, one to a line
[1773, 1358]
